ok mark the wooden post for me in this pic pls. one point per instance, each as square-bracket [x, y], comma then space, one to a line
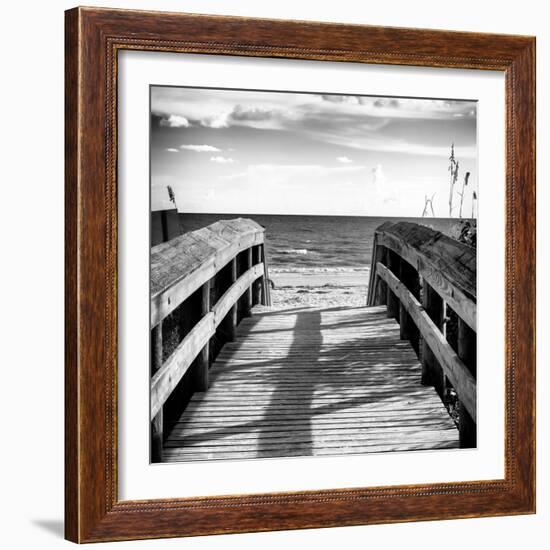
[217, 340]
[392, 261]
[432, 373]
[408, 276]
[266, 291]
[381, 292]
[231, 326]
[157, 422]
[164, 225]
[247, 298]
[241, 268]
[467, 342]
[257, 285]
[200, 371]
[381, 288]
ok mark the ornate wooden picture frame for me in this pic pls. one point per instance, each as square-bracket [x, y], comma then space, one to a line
[94, 37]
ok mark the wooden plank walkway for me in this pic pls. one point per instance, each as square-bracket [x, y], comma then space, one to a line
[309, 382]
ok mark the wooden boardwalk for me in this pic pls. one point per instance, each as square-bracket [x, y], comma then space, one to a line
[312, 382]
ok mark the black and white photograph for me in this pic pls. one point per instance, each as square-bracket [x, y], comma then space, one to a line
[312, 274]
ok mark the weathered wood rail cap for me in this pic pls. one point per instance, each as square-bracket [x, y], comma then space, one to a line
[181, 265]
[448, 265]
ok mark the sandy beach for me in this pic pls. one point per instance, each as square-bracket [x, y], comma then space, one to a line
[318, 287]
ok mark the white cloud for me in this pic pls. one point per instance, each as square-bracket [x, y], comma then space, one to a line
[222, 160]
[172, 150]
[239, 115]
[200, 148]
[273, 110]
[391, 107]
[219, 121]
[386, 193]
[387, 144]
[378, 177]
[344, 160]
[279, 173]
[175, 121]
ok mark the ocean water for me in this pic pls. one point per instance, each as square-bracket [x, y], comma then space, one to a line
[316, 243]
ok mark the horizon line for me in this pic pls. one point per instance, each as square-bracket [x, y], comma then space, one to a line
[241, 214]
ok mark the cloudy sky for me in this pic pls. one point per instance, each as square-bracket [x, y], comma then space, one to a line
[232, 151]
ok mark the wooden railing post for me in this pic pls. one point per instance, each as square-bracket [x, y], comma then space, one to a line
[257, 285]
[202, 363]
[164, 225]
[266, 292]
[157, 422]
[247, 297]
[467, 352]
[392, 262]
[381, 289]
[407, 328]
[231, 325]
[432, 373]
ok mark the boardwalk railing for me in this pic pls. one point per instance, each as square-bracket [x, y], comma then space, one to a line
[202, 284]
[428, 283]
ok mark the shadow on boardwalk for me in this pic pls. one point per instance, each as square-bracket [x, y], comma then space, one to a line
[307, 382]
[312, 323]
